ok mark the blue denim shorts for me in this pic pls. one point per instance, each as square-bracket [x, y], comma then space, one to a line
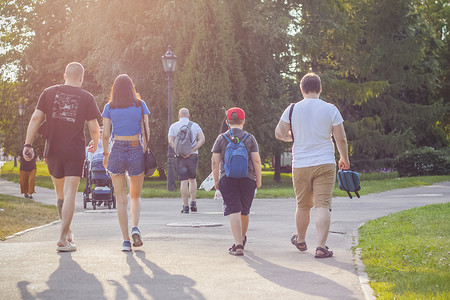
[126, 156]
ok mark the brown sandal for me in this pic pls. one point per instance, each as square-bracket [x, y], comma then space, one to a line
[234, 250]
[300, 246]
[326, 252]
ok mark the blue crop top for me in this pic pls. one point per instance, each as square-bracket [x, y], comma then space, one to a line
[125, 121]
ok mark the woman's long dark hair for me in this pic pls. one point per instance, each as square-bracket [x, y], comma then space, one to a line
[123, 93]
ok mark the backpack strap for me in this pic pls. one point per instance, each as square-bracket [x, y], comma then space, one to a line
[229, 141]
[243, 139]
[291, 110]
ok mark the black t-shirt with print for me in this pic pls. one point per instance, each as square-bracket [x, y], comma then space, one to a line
[67, 108]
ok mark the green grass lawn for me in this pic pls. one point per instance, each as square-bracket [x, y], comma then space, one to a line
[370, 183]
[18, 214]
[406, 254]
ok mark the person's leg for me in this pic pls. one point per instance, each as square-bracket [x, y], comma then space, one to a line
[70, 190]
[301, 179]
[120, 189]
[302, 219]
[193, 188]
[323, 186]
[23, 183]
[31, 182]
[322, 220]
[191, 164]
[58, 183]
[135, 196]
[236, 227]
[184, 189]
[247, 188]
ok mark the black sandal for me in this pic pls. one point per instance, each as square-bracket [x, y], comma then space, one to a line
[300, 246]
[234, 250]
[326, 252]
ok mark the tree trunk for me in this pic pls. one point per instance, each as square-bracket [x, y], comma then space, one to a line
[277, 167]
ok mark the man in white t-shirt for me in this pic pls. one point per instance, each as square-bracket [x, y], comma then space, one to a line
[187, 164]
[313, 122]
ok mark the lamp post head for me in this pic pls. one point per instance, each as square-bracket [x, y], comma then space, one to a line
[21, 109]
[169, 61]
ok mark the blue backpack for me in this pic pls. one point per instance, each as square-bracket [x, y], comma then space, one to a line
[236, 159]
[349, 182]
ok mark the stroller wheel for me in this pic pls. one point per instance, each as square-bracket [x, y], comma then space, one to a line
[94, 206]
[109, 204]
[114, 201]
[85, 200]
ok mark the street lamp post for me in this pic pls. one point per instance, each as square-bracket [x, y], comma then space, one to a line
[169, 61]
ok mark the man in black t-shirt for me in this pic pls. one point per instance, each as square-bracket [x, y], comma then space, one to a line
[65, 108]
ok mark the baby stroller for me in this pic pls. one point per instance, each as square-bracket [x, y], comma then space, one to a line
[103, 192]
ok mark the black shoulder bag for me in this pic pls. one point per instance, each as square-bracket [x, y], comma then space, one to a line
[290, 119]
[149, 158]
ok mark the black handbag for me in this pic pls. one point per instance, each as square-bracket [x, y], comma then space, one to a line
[150, 163]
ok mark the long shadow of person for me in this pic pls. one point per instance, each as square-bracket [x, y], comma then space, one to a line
[70, 281]
[158, 283]
[295, 280]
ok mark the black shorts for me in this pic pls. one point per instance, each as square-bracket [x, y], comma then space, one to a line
[60, 168]
[237, 194]
[187, 167]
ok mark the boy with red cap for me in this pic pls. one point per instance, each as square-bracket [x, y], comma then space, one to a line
[237, 193]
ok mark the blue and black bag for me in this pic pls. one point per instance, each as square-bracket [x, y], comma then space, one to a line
[236, 159]
[349, 182]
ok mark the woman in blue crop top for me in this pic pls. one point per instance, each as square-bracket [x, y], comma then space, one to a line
[123, 115]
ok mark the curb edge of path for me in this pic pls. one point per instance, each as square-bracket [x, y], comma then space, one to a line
[360, 269]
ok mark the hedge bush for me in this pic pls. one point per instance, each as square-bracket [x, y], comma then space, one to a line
[421, 162]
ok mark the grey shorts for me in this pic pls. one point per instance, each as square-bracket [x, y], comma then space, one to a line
[187, 167]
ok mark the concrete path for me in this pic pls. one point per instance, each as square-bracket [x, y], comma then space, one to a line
[193, 262]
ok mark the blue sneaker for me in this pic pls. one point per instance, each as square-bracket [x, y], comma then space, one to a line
[185, 209]
[126, 246]
[194, 206]
[136, 236]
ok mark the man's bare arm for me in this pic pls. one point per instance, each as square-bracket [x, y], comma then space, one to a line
[256, 160]
[33, 127]
[200, 142]
[215, 167]
[342, 145]
[94, 130]
[283, 131]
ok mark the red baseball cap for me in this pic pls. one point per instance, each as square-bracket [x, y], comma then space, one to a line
[240, 113]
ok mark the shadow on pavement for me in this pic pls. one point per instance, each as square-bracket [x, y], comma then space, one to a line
[67, 282]
[158, 283]
[294, 279]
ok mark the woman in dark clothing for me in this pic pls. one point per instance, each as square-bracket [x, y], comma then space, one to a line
[27, 175]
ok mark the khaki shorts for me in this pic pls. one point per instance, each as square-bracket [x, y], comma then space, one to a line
[314, 185]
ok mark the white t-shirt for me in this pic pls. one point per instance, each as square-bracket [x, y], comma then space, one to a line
[312, 123]
[195, 129]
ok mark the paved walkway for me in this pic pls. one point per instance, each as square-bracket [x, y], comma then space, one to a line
[192, 262]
